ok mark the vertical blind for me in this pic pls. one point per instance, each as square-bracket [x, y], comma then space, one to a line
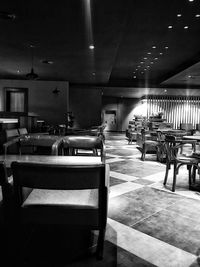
[175, 109]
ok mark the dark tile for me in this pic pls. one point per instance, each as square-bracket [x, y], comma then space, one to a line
[115, 181]
[172, 228]
[155, 197]
[136, 168]
[139, 204]
[143, 181]
[123, 152]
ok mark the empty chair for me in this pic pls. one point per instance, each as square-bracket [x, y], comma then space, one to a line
[175, 156]
[11, 144]
[74, 196]
[147, 144]
[84, 145]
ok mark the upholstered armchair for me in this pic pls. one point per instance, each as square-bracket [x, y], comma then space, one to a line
[84, 145]
[74, 196]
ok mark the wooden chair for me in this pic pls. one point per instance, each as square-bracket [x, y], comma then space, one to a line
[175, 156]
[82, 203]
[147, 143]
[84, 146]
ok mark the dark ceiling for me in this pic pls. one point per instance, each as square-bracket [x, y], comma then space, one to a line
[133, 46]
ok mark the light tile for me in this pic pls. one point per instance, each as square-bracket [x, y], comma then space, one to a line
[146, 247]
[122, 176]
[114, 160]
[120, 189]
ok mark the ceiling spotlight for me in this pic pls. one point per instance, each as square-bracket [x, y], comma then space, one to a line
[197, 15]
[138, 66]
[155, 58]
[93, 73]
[191, 0]
[145, 58]
[170, 27]
[91, 47]
[134, 77]
[186, 27]
[153, 46]
[161, 53]
[18, 71]
[189, 76]
[179, 15]
[149, 53]
[166, 47]
[152, 62]
[142, 72]
[141, 62]
[165, 91]
[136, 69]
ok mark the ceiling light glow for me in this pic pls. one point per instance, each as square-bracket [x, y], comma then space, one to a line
[179, 15]
[91, 47]
[186, 27]
[170, 27]
[197, 15]
[154, 47]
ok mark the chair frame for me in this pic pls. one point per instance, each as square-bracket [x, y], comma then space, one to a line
[63, 177]
[172, 147]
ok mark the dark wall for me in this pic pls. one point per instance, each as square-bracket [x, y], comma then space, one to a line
[85, 104]
[41, 100]
[124, 110]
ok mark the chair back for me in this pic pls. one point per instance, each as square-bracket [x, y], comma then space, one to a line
[22, 131]
[92, 143]
[11, 133]
[58, 177]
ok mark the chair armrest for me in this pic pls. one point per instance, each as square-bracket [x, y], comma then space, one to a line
[55, 147]
[10, 143]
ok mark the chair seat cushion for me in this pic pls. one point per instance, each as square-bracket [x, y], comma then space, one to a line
[74, 207]
[71, 198]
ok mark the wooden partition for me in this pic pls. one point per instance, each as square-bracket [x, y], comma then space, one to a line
[175, 109]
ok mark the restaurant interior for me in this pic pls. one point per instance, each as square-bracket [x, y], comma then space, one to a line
[100, 133]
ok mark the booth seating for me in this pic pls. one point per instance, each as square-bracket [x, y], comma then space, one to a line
[75, 196]
[84, 145]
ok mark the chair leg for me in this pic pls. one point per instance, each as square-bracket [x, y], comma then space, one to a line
[174, 179]
[143, 153]
[100, 244]
[166, 173]
[190, 174]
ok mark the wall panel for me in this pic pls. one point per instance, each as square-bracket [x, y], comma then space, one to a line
[175, 109]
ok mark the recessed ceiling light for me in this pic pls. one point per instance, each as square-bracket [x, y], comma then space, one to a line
[191, 0]
[134, 77]
[161, 53]
[197, 15]
[136, 69]
[142, 72]
[145, 58]
[155, 58]
[93, 73]
[138, 66]
[170, 27]
[149, 53]
[141, 62]
[186, 27]
[91, 46]
[18, 71]
[165, 91]
[145, 69]
[179, 15]
[166, 47]
[148, 66]
[152, 62]
[189, 76]
[153, 46]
